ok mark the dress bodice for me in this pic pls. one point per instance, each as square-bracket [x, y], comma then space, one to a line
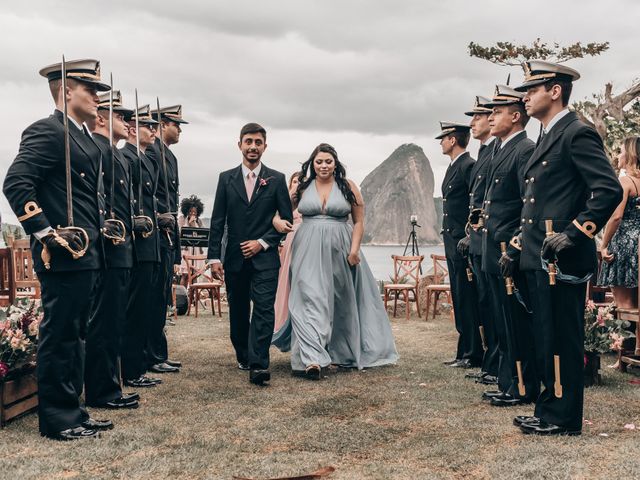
[310, 204]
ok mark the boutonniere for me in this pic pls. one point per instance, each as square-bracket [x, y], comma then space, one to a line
[263, 182]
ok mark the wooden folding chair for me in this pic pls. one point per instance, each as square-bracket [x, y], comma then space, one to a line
[631, 357]
[406, 281]
[26, 283]
[199, 278]
[601, 296]
[440, 286]
[7, 274]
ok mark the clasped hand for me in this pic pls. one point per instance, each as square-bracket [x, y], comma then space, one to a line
[72, 238]
[250, 248]
[554, 244]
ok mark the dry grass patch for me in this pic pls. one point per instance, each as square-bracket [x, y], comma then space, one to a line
[414, 420]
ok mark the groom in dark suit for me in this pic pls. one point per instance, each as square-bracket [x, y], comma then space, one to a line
[247, 198]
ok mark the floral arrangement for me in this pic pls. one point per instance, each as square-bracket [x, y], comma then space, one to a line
[602, 331]
[19, 324]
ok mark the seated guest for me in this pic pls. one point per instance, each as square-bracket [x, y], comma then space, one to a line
[619, 246]
[190, 208]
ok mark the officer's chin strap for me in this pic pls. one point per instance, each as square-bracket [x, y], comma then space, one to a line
[564, 277]
[75, 254]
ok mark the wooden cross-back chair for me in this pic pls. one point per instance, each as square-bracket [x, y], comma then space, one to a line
[25, 281]
[440, 285]
[199, 278]
[601, 296]
[406, 282]
[7, 290]
[631, 357]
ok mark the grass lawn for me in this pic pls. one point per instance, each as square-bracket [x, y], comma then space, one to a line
[411, 421]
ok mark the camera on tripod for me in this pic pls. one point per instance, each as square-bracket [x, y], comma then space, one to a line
[414, 221]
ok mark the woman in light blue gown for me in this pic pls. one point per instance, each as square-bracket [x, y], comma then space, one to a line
[335, 310]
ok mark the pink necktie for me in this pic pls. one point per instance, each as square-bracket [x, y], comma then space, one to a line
[249, 184]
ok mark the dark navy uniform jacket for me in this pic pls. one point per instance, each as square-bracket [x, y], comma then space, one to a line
[146, 249]
[117, 256]
[569, 180]
[476, 193]
[35, 186]
[503, 198]
[455, 202]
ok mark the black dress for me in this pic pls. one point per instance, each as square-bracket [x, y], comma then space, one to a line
[623, 270]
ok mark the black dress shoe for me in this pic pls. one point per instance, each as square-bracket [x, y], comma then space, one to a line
[520, 419]
[117, 403]
[475, 375]
[93, 424]
[459, 364]
[488, 380]
[173, 363]
[163, 368]
[489, 394]
[259, 377]
[507, 400]
[131, 396]
[77, 433]
[243, 366]
[451, 362]
[142, 382]
[544, 428]
[313, 372]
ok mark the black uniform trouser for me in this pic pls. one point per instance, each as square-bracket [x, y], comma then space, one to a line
[252, 339]
[490, 358]
[558, 318]
[505, 359]
[520, 337]
[157, 349]
[138, 320]
[104, 337]
[465, 308]
[66, 301]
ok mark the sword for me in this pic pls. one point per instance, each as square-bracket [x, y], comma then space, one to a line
[118, 225]
[140, 200]
[67, 146]
[557, 384]
[75, 254]
[164, 167]
[508, 281]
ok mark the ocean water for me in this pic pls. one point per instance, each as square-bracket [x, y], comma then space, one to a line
[379, 258]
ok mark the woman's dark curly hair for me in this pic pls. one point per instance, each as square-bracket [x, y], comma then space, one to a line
[188, 203]
[308, 174]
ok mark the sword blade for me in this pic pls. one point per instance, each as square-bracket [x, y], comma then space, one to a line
[140, 207]
[163, 157]
[67, 146]
[111, 147]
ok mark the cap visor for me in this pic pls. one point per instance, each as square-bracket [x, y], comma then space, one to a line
[527, 85]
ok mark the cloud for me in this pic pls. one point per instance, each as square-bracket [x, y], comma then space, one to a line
[365, 76]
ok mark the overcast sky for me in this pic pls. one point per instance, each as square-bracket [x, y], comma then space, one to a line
[363, 75]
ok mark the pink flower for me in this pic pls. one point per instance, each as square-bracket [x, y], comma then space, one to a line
[600, 320]
[263, 182]
[4, 369]
[591, 305]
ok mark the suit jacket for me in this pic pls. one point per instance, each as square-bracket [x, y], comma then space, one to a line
[569, 180]
[477, 188]
[167, 202]
[503, 198]
[117, 256]
[455, 202]
[248, 220]
[146, 249]
[35, 186]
